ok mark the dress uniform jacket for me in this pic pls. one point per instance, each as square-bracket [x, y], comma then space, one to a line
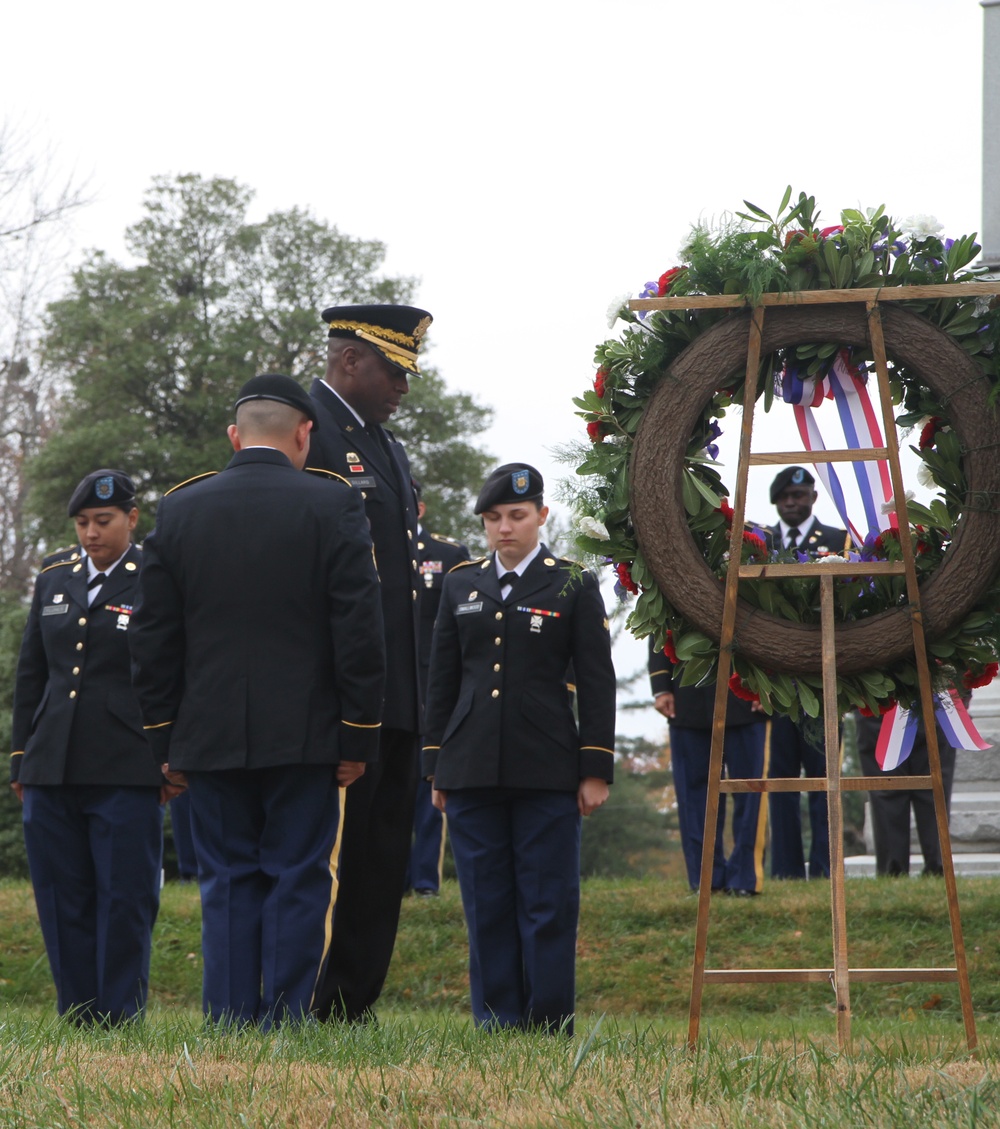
[382, 475]
[497, 710]
[76, 719]
[249, 656]
[820, 539]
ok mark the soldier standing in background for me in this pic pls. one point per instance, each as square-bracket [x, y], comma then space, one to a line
[436, 556]
[797, 747]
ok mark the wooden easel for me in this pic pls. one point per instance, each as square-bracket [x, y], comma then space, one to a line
[841, 974]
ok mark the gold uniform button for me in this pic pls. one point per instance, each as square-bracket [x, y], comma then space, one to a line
[497, 640]
[130, 566]
[76, 568]
[499, 615]
[82, 621]
[549, 561]
[409, 533]
[496, 666]
[414, 594]
[414, 563]
[79, 646]
[496, 694]
[72, 693]
[76, 670]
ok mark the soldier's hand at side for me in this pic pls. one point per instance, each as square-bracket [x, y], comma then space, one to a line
[176, 784]
[591, 794]
[438, 798]
[18, 789]
[664, 704]
[349, 771]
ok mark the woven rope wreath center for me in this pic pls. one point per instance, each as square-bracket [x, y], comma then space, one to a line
[658, 461]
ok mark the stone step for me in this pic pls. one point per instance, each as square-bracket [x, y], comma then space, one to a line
[970, 865]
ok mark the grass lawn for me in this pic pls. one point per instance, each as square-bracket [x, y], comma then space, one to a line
[768, 1055]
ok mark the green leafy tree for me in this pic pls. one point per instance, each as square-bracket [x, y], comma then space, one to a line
[154, 352]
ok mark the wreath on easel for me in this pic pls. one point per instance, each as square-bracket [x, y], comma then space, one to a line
[652, 503]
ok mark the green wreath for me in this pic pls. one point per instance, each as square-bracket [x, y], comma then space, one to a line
[750, 255]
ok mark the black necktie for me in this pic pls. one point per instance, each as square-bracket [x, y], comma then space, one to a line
[379, 437]
[793, 538]
[508, 578]
[95, 582]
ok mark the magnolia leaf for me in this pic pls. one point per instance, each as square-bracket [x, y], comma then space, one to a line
[809, 701]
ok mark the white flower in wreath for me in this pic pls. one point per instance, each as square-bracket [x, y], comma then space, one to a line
[890, 506]
[591, 527]
[925, 476]
[836, 558]
[615, 308]
[922, 226]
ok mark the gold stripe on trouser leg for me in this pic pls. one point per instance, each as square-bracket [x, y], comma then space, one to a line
[444, 833]
[761, 841]
[334, 886]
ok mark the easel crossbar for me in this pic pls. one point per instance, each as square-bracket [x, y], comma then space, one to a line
[819, 784]
[822, 975]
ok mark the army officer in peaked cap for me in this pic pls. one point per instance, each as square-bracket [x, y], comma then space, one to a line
[259, 667]
[82, 766]
[511, 767]
[372, 353]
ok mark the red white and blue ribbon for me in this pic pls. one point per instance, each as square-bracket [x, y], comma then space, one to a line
[847, 387]
[895, 738]
[899, 728]
[958, 728]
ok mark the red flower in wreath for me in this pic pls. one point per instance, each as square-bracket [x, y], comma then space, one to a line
[625, 578]
[667, 280]
[883, 708]
[756, 544]
[726, 510]
[600, 380]
[884, 539]
[669, 650]
[970, 681]
[595, 429]
[741, 691]
[929, 432]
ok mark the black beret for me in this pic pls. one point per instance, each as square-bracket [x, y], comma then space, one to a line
[103, 488]
[512, 482]
[395, 331]
[274, 386]
[790, 476]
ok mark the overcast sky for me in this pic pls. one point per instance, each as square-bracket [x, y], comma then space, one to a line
[527, 161]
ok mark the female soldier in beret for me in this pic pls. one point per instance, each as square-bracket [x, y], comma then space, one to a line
[82, 767]
[510, 764]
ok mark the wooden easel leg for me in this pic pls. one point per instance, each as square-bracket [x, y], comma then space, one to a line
[923, 671]
[722, 677]
[835, 809]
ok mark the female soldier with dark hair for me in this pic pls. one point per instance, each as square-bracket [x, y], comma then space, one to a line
[82, 767]
[508, 760]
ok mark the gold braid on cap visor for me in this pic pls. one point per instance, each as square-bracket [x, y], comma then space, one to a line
[390, 341]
